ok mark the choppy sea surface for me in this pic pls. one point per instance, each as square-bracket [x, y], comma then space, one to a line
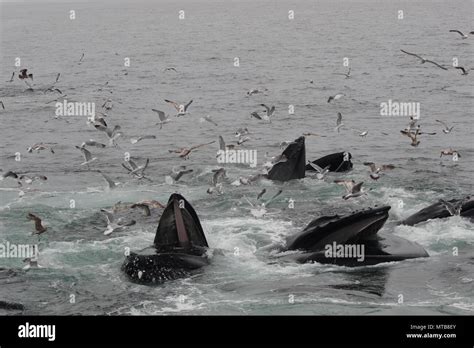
[276, 53]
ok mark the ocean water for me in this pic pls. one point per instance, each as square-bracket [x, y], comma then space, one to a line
[275, 53]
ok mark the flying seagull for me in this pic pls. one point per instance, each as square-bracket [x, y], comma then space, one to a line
[143, 137]
[463, 71]
[113, 134]
[446, 129]
[413, 136]
[182, 109]
[115, 226]
[39, 228]
[178, 172]
[3, 105]
[208, 119]
[163, 118]
[92, 142]
[269, 110]
[87, 156]
[184, 152]
[134, 169]
[111, 183]
[423, 60]
[352, 189]
[11, 79]
[335, 97]
[321, 173]
[449, 152]
[24, 75]
[464, 36]
[375, 170]
[38, 147]
[170, 69]
[218, 174]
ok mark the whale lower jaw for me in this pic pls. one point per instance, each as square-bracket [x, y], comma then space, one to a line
[151, 267]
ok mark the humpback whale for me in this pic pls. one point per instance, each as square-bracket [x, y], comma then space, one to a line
[178, 249]
[337, 162]
[356, 230]
[438, 210]
[293, 164]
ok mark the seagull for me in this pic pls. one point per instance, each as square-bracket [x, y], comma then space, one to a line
[223, 146]
[82, 57]
[260, 195]
[10, 174]
[259, 210]
[185, 152]
[144, 207]
[413, 136]
[269, 111]
[39, 228]
[339, 123]
[11, 79]
[321, 173]
[170, 69]
[32, 263]
[111, 183]
[242, 140]
[87, 156]
[31, 179]
[253, 91]
[241, 132]
[136, 140]
[446, 129]
[375, 171]
[3, 105]
[178, 172]
[308, 134]
[52, 89]
[107, 104]
[24, 75]
[218, 174]
[423, 60]
[336, 97]
[464, 36]
[454, 208]
[352, 189]
[182, 109]
[134, 169]
[463, 71]
[208, 119]
[449, 152]
[364, 133]
[258, 117]
[92, 142]
[38, 147]
[347, 74]
[248, 180]
[113, 134]
[163, 118]
[115, 227]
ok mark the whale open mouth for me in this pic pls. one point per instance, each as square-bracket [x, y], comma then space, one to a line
[179, 246]
[339, 229]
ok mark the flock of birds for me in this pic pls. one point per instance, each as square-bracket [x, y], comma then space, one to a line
[138, 170]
